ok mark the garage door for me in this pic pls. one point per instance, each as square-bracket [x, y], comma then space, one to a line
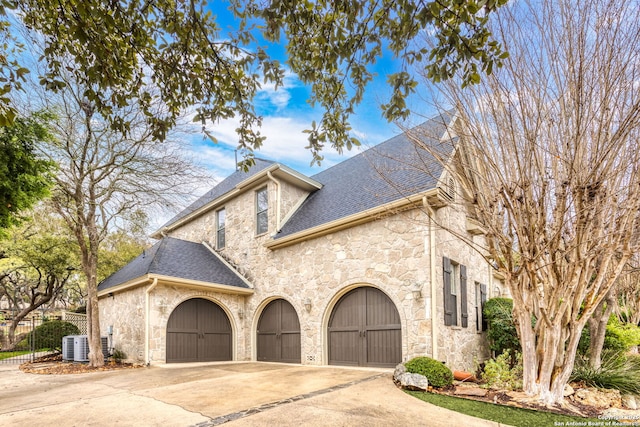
[279, 333]
[364, 330]
[198, 331]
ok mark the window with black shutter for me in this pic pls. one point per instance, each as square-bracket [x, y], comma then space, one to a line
[449, 306]
[455, 293]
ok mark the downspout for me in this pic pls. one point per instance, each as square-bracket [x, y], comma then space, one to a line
[432, 278]
[278, 199]
[147, 309]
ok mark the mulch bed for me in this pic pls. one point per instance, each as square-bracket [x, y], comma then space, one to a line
[54, 365]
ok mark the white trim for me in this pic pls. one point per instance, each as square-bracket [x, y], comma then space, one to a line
[177, 281]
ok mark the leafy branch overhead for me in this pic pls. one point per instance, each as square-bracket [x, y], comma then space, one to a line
[175, 53]
[333, 47]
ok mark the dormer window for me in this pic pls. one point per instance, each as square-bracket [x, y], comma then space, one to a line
[221, 220]
[262, 211]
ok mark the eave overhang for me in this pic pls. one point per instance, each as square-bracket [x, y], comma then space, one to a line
[147, 279]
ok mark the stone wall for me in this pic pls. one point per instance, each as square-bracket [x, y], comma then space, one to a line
[390, 253]
[129, 329]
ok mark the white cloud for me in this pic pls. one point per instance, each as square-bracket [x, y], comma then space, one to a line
[280, 97]
[285, 143]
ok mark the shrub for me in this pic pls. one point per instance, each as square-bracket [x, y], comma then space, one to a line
[618, 337]
[436, 372]
[625, 335]
[501, 329]
[499, 372]
[49, 334]
[617, 372]
[118, 355]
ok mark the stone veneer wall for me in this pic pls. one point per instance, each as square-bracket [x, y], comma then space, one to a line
[390, 253]
[125, 311]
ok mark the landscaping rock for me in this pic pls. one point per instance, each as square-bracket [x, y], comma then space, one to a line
[413, 381]
[598, 398]
[629, 401]
[470, 391]
[568, 390]
[400, 369]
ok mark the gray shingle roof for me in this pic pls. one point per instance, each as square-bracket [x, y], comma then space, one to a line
[382, 174]
[221, 189]
[180, 259]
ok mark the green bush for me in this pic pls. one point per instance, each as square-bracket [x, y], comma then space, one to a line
[118, 355]
[436, 372]
[617, 371]
[499, 372]
[501, 329]
[619, 337]
[49, 334]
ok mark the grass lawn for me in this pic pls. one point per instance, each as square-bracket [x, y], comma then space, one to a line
[502, 414]
[8, 354]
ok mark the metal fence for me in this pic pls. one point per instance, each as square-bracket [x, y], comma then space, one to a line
[37, 337]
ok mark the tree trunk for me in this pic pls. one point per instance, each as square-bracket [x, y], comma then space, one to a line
[548, 356]
[96, 358]
[598, 329]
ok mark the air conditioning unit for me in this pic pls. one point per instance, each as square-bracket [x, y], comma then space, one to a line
[67, 347]
[81, 348]
[105, 347]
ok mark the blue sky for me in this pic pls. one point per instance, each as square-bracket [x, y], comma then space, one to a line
[286, 114]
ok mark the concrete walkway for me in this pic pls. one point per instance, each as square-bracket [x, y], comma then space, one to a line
[233, 394]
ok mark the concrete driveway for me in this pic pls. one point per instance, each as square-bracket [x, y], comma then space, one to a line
[234, 394]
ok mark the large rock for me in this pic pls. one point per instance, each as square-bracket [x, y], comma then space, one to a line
[568, 390]
[470, 391]
[598, 398]
[413, 381]
[400, 369]
[629, 401]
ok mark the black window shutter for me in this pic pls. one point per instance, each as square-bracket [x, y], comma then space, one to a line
[483, 299]
[448, 309]
[464, 312]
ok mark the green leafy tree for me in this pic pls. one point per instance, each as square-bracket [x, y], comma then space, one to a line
[124, 50]
[38, 262]
[12, 74]
[332, 46]
[25, 178]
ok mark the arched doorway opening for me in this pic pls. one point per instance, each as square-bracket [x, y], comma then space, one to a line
[364, 330]
[278, 333]
[198, 330]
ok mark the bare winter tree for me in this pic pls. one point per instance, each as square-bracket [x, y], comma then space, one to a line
[105, 177]
[549, 159]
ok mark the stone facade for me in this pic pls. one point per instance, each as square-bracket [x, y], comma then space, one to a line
[390, 252]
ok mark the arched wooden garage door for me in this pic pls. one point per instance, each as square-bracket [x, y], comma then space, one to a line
[279, 333]
[198, 331]
[364, 330]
